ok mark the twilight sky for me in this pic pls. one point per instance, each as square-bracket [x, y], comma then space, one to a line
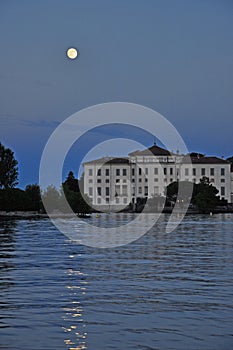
[175, 56]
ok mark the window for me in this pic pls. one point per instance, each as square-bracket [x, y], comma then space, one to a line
[90, 191]
[222, 180]
[107, 181]
[107, 191]
[117, 190]
[117, 180]
[222, 191]
[171, 171]
[156, 179]
[99, 181]
[165, 171]
[124, 172]
[99, 200]
[140, 180]
[146, 190]
[107, 172]
[146, 180]
[117, 172]
[222, 172]
[124, 190]
[156, 190]
[99, 191]
[117, 200]
[186, 171]
[99, 172]
[133, 172]
[146, 171]
[124, 181]
[203, 171]
[139, 190]
[90, 172]
[194, 171]
[133, 180]
[211, 171]
[139, 171]
[107, 200]
[171, 180]
[156, 171]
[125, 200]
[90, 181]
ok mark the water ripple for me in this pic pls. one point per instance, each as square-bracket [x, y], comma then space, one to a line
[164, 291]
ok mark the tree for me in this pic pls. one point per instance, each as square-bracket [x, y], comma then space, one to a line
[33, 192]
[206, 198]
[230, 159]
[8, 168]
[72, 182]
[51, 196]
[14, 199]
[204, 194]
[186, 187]
[83, 204]
[78, 203]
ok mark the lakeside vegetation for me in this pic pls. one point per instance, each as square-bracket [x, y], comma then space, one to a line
[205, 197]
[30, 199]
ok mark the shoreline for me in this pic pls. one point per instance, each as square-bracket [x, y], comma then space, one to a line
[35, 215]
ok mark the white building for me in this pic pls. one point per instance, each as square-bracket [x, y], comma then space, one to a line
[116, 182]
[231, 183]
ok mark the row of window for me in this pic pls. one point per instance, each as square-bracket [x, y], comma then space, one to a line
[119, 191]
[166, 171]
[107, 172]
[99, 181]
[204, 172]
[107, 200]
[165, 180]
[125, 193]
[125, 200]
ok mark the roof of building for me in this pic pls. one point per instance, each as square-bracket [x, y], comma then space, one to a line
[196, 158]
[153, 150]
[201, 159]
[109, 160]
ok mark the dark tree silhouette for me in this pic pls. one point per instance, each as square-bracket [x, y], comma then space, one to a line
[71, 182]
[206, 198]
[230, 159]
[33, 192]
[204, 195]
[78, 203]
[14, 199]
[8, 168]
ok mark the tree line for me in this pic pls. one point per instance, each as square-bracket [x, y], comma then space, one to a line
[204, 195]
[30, 199]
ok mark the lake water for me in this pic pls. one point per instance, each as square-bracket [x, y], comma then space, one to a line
[164, 291]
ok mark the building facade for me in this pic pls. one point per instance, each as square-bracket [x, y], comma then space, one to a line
[117, 182]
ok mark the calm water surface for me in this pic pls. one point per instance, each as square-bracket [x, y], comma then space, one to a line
[164, 291]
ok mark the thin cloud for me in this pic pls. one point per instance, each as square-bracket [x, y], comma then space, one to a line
[40, 123]
[22, 80]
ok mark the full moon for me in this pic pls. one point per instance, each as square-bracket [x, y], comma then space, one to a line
[72, 53]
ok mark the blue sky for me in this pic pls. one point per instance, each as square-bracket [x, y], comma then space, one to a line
[173, 56]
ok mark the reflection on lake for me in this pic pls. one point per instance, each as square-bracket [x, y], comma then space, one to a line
[164, 291]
